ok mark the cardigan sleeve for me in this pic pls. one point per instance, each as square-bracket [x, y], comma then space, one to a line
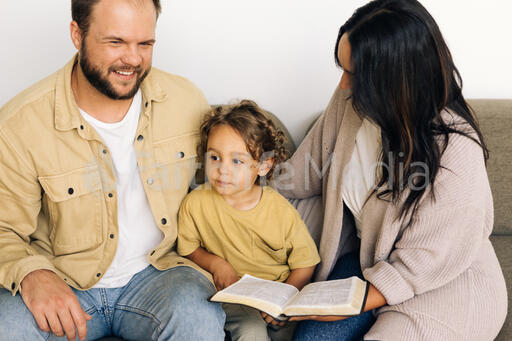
[445, 236]
[302, 175]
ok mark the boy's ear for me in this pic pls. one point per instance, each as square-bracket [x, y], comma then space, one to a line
[265, 166]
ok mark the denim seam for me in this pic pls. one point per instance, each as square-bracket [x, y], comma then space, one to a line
[106, 311]
[142, 313]
[198, 274]
[140, 276]
[91, 310]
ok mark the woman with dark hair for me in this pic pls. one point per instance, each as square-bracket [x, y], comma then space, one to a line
[400, 162]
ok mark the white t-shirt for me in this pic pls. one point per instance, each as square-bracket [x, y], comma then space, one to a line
[361, 172]
[138, 232]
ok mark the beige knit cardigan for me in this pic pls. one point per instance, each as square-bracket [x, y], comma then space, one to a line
[440, 276]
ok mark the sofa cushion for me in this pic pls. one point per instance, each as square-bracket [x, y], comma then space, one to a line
[495, 118]
[289, 145]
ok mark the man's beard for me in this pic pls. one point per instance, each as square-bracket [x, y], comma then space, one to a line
[102, 84]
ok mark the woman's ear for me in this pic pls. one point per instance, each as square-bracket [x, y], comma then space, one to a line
[265, 166]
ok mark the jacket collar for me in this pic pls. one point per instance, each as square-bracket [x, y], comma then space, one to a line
[67, 115]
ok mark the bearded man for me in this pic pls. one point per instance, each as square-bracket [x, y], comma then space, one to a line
[94, 163]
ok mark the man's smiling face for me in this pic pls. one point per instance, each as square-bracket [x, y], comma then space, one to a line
[117, 51]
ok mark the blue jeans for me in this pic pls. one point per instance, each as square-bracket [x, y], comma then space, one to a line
[154, 305]
[352, 328]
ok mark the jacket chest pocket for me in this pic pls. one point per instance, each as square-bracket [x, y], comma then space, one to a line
[75, 208]
[175, 161]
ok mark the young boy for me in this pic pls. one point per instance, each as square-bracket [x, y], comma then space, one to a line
[232, 225]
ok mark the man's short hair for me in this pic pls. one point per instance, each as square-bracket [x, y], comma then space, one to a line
[81, 12]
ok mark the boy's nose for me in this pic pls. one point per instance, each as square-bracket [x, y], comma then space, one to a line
[223, 168]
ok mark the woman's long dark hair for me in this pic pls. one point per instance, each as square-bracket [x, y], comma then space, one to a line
[403, 77]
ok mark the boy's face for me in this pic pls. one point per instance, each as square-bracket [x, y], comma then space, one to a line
[230, 167]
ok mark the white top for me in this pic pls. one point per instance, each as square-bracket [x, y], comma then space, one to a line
[138, 232]
[359, 175]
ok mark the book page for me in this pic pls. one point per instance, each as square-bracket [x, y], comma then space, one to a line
[265, 295]
[338, 297]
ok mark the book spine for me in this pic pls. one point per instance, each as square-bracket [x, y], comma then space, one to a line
[365, 297]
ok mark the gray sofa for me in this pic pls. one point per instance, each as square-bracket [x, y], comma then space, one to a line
[495, 117]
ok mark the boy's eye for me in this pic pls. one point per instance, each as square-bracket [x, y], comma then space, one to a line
[237, 161]
[214, 158]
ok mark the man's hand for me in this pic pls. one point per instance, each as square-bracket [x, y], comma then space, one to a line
[54, 305]
[223, 274]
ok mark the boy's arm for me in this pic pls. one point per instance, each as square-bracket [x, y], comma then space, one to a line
[300, 277]
[223, 273]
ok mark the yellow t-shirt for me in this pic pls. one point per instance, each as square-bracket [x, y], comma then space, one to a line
[267, 241]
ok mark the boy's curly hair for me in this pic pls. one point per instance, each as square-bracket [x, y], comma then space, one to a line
[262, 138]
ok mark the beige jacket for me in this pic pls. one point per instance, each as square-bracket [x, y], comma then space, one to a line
[440, 276]
[58, 205]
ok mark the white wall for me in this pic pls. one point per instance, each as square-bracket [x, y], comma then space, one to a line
[277, 52]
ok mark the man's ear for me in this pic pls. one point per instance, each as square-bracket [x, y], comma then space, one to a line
[76, 34]
[265, 166]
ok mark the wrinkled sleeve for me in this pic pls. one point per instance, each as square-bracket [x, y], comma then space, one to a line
[20, 204]
[445, 236]
[188, 236]
[303, 251]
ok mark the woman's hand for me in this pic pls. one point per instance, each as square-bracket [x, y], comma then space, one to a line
[223, 274]
[270, 320]
[374, 300]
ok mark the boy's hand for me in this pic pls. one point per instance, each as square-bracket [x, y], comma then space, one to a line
[223, 274]
[270, 320]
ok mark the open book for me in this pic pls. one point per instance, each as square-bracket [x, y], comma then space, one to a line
[339, 297]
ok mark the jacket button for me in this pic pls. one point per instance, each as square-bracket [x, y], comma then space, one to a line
[111, 236]
[71, 191]
[13, 286]
[164, 221]
[140, 138]
[81, 127]
[151, 181]
[110, 195]
[146, 104]
[98, 274]
[180, 155]
[104, 151]
[152, 253]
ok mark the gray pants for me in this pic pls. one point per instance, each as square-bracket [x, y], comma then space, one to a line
[246, 324]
